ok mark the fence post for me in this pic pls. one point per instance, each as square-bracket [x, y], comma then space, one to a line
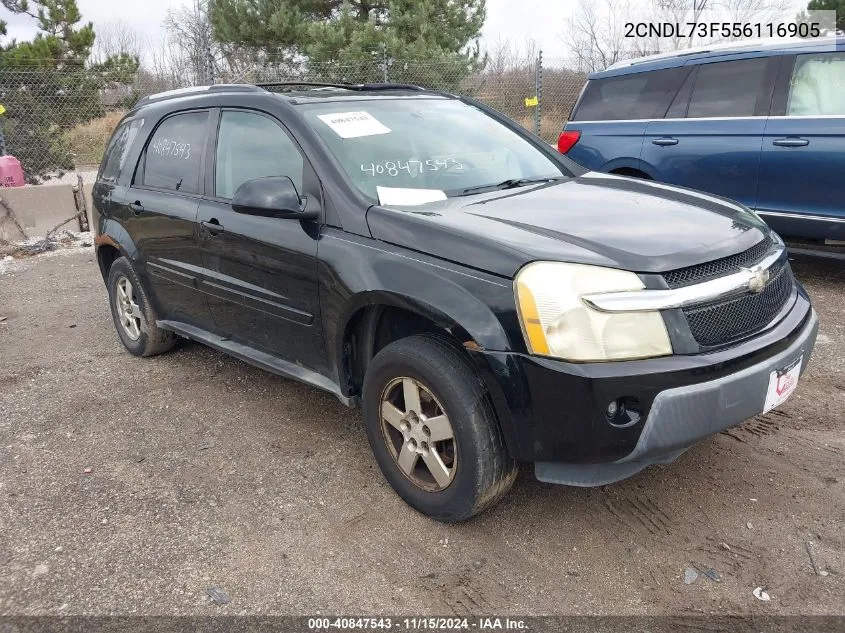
[209, 62]
[538, 92]
[384, 62]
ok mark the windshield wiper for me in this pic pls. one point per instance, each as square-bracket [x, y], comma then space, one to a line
[510, 183]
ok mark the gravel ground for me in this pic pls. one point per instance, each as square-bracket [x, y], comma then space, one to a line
[134, 485]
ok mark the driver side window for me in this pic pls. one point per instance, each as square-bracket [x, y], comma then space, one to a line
[251, 145]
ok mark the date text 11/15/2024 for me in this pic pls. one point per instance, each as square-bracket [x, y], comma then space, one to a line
[424, 623]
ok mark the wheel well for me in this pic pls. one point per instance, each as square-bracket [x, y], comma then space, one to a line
[106, 255]
[630, 171]
[375, 327]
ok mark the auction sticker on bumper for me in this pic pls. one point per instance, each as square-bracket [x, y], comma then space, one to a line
[782, 383]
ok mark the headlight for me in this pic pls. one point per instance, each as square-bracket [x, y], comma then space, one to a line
[556, 322]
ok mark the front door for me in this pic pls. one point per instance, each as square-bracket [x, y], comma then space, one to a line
[801, 174]
[160, 215]
[261, 273]
[713, 142]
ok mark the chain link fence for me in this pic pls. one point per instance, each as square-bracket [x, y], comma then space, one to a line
[58, 121]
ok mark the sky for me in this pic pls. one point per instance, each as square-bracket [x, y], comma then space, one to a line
[144, 15]
[513, 20]
[541, 20]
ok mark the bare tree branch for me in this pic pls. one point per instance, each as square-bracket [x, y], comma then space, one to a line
[596, 39]
[116, 37]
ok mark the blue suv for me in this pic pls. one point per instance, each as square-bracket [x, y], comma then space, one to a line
[760, 122]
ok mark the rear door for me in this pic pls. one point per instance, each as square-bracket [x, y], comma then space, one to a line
[160, 211]
[261, 273]
[802, 191]
[711, 136]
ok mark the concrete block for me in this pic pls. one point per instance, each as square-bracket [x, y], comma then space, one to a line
[39, 209]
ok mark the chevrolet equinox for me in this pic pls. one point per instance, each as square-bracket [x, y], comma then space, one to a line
[483, 298]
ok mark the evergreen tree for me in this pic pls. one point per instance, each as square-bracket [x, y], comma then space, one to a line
[358, 37]
[46, 87]
[830, 5]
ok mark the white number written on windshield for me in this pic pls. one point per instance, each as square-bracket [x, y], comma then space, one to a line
[411, 166]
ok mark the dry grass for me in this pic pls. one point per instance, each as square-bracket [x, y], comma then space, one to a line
[550, 127]
[87, 141]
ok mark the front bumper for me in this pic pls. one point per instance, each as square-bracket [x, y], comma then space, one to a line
[553, 412]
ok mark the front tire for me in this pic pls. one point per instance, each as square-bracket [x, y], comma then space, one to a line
[433, 431]
[134, 317]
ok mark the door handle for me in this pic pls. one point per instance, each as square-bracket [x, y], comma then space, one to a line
[664, 141]
[137, 207]
[791, 142]
[213, 226]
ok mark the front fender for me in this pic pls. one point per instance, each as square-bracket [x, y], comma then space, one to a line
[357, 272]
[478, 308]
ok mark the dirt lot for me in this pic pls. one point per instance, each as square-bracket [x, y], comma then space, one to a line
[134, 485]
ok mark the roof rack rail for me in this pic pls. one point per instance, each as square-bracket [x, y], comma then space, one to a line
[181, 92]
[763, 43]
[345, 86]
[261, 87]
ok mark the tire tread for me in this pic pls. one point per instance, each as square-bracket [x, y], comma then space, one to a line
[499, 470]
[154, 340]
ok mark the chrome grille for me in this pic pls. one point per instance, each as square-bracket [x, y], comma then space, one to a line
[728, 320]
[718, 267]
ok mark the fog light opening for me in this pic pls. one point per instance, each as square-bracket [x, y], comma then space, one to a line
[623, 412]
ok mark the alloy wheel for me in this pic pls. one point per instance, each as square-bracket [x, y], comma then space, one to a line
[128, 310]
[418, 434]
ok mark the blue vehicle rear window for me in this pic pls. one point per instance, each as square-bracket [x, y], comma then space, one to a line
[638, 96]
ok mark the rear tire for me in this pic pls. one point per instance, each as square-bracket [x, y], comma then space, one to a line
[441, 449]
[134, 317]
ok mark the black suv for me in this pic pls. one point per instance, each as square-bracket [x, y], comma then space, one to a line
[485, 299]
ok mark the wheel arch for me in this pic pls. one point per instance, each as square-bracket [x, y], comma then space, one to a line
[374, 319]
[107, 253]
[621, 163]
[111, 243]
[648, 169]
[390, 317]
[631, 172]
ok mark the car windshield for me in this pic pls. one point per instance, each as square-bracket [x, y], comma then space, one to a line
[411, 151]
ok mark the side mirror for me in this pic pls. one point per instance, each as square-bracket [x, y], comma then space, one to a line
[271, 197]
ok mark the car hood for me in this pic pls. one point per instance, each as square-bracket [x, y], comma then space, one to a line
[596, 219]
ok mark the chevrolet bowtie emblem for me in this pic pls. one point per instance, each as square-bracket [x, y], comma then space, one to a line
[758, 278]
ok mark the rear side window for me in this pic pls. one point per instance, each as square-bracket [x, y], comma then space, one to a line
[639, 96]
[174, 154]
[818, 85]
[118, 150]
[727, 89]
[253, 146]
